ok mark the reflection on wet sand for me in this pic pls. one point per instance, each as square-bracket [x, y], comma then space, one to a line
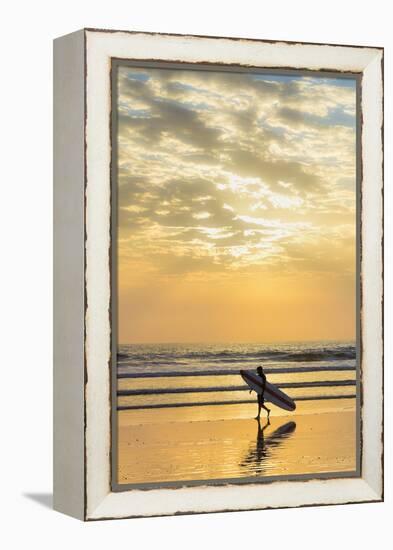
[160, 449]
[261, 451]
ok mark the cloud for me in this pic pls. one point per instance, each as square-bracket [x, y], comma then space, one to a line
[222, 172]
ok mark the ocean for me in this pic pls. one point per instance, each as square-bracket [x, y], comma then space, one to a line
[157, 376]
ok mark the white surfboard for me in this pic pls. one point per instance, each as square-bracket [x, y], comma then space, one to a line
[272, 393]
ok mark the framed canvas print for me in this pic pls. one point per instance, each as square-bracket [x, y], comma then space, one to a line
[218, 274]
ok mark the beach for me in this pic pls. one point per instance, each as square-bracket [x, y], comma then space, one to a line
[209, 444]
[184, 413]
[239, 254]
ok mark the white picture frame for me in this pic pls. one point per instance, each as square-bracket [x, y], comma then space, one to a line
[82, 245]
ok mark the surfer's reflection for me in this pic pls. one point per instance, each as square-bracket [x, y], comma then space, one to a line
[255, 460]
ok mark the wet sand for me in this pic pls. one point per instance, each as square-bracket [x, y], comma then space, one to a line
[215, 443]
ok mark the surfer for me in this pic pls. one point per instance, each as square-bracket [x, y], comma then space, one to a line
[261, 396]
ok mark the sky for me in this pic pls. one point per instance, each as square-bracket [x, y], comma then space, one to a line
[237, 207]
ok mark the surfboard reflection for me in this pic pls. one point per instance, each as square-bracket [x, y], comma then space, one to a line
[256, 460]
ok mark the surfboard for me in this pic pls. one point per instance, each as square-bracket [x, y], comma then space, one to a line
[272, 393]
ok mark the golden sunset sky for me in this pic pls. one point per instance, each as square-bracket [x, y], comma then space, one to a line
[237, 207]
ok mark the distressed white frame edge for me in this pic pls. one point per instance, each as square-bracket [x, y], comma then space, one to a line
[101, 502]
[69, 280]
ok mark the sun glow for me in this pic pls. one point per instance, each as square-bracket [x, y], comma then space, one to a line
[236, 206]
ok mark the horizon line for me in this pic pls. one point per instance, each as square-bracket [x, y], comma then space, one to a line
[331, 340]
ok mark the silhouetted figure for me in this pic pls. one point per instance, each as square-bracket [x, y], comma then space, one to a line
[261, 396]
